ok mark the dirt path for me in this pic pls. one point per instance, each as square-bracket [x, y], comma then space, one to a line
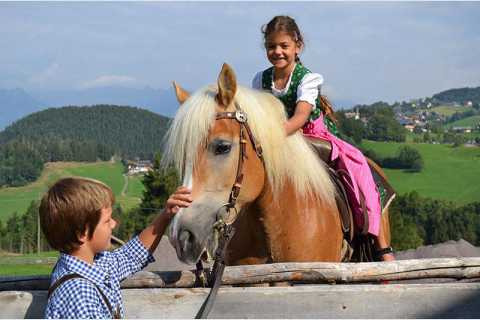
[125, 185]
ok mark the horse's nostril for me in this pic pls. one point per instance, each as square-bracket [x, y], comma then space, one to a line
[185, 238]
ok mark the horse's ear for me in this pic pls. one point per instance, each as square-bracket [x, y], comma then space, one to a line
[227, 85]
[182, 95]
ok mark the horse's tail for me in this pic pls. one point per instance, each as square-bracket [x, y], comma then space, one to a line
[327, 108]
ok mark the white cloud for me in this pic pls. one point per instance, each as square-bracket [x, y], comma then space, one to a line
[108, 80]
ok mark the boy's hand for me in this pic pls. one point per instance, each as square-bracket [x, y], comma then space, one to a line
[181, 198]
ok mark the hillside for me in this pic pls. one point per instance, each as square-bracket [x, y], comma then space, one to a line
[459, 95]
[448, 174]
[449, 110]
[18, 103]
[472, 122]
[18, 199]
[85, 134]
[130, 131]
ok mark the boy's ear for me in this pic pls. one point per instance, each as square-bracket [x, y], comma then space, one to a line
[83, 237]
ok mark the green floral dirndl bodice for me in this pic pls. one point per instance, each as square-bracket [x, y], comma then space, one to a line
[290, 98]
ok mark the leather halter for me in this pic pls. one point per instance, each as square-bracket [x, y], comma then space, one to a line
[241, 117]
[225, 226]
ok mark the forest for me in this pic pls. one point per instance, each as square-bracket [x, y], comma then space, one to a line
[77, 134]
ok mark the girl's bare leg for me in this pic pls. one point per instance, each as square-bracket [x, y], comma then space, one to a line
[383, 239]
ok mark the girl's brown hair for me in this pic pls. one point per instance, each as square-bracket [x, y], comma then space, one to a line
[289, 26]
[71, 207]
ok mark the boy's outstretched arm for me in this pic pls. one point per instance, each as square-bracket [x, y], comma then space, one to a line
[151, 236]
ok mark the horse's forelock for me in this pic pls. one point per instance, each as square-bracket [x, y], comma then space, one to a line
[189, 129]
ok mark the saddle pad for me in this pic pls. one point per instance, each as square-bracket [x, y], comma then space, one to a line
[386, 191]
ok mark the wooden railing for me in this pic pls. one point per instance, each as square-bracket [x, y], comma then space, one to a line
[458, 269]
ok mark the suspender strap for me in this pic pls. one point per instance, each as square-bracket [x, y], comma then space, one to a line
[59, 282]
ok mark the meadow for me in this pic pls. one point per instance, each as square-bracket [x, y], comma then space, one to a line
[448, 174]
[27, 264]
[18, 199]
[466, 122]
[449, 110]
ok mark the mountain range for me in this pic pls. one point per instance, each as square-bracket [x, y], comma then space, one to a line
[17, 103]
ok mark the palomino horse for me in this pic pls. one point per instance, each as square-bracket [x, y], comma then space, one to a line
[286, 204]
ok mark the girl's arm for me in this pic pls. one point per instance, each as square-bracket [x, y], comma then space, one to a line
[302, 112]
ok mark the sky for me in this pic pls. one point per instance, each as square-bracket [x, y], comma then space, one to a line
[366, 51]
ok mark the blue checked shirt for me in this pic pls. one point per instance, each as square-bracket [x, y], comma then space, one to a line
[79, 298]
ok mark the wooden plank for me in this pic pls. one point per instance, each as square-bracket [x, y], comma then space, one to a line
[319, 301]
[318, 272]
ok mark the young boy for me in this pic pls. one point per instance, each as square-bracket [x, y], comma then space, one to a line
[76, 218]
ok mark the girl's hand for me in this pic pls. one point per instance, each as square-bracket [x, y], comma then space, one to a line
[181, 198]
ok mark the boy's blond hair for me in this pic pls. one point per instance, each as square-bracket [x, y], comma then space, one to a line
[71, 207]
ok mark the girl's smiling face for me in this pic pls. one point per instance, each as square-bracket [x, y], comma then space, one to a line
[282, 50]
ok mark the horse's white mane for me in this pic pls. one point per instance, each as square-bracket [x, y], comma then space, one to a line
[285, 158]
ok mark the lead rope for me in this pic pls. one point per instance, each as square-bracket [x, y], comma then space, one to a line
[218, 268]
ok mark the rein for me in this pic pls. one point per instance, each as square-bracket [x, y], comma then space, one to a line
[225, 226]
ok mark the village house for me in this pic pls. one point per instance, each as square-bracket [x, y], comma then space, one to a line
[140, 166]
[354, 114]
[462, 129]
[409, 127]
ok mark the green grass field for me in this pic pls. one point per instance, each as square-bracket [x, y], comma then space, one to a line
[449, 110]
[27, 264]
[466, 122]
[25, 269]
[18, 199]
[448, 174]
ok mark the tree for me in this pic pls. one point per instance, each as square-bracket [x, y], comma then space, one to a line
[427, 138]
[30, 228]
[458, 140]
[351, 127]
[410, 158]
[405, 234]
[159, 184]
[384, 127]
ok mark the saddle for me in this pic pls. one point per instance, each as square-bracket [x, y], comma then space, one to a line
[358, 245]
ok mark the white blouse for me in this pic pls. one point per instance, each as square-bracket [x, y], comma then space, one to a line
[307, 89]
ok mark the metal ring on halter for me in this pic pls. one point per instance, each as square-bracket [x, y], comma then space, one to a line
[241, 116]
[226, 221]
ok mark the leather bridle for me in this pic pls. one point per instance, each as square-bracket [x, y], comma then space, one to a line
[224, 226]
[241, 117]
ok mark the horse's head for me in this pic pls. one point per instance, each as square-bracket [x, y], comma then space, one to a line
[215, 153]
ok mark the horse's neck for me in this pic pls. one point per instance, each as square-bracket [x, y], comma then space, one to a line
[300, 227]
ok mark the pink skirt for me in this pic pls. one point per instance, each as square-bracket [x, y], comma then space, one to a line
[359, 179]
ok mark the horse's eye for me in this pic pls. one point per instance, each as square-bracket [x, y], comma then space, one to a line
[222, 148]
